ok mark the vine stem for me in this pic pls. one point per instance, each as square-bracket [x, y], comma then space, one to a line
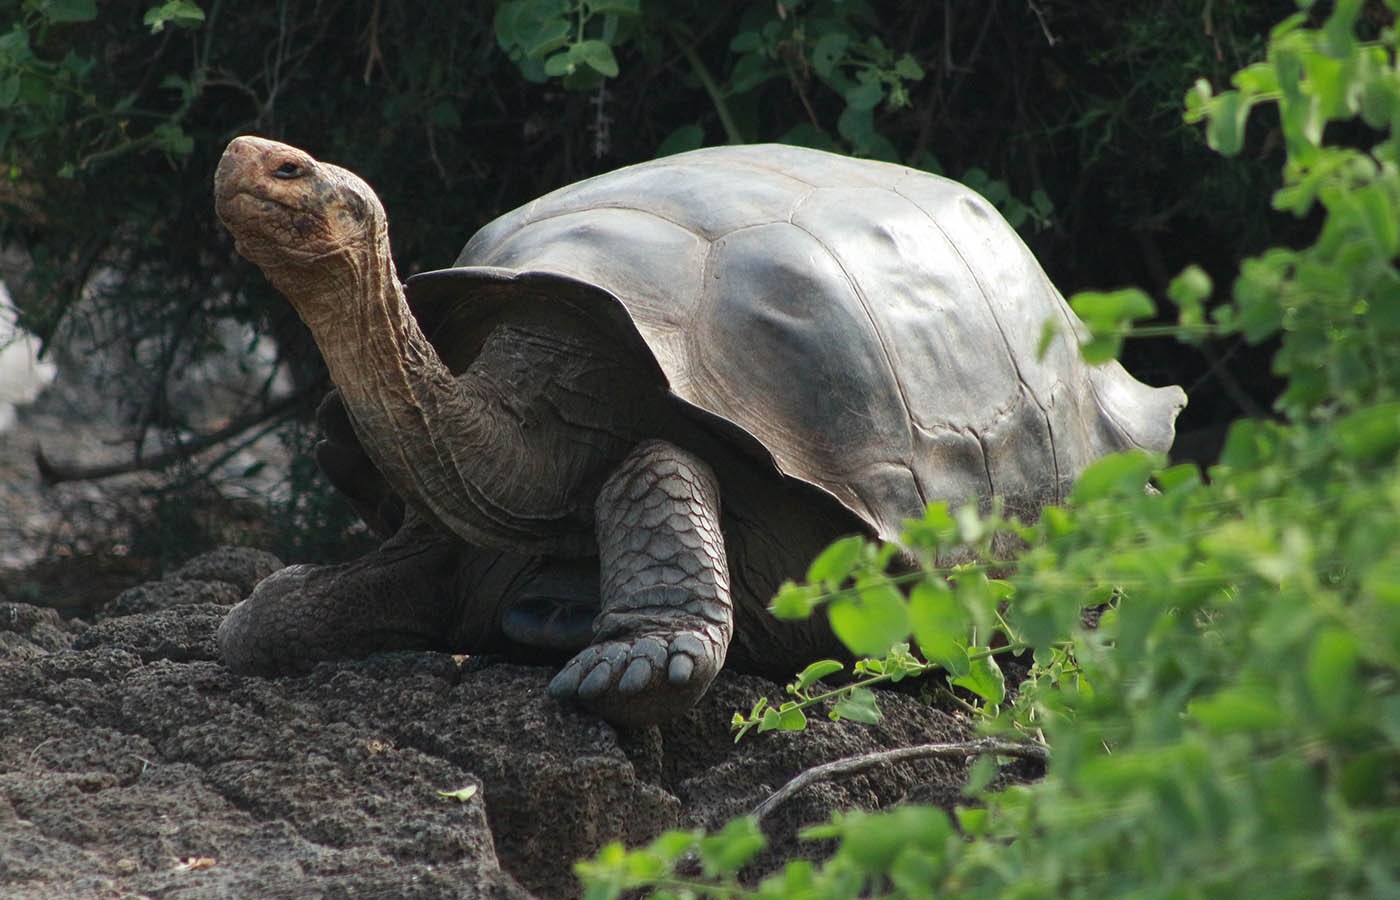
[697, 65]
[947, 750]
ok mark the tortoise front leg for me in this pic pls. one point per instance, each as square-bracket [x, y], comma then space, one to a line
[666, 615]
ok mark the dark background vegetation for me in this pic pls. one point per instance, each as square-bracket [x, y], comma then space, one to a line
[1067, 112]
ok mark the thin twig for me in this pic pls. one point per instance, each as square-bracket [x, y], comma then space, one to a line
[373, 56]
[697, 66]
[54, 473]
[853, 764]
[1040, 17]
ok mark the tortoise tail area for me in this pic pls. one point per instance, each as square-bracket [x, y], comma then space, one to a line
[1135, 415]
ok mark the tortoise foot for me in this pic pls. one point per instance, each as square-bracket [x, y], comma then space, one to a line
[642, 680]
[402, 596]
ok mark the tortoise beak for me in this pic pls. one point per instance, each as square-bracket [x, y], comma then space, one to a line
[247, 167]
[238, 158]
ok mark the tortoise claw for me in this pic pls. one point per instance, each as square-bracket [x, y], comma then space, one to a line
[639, 681]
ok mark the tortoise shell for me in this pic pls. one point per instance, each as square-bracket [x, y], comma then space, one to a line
[873, 327]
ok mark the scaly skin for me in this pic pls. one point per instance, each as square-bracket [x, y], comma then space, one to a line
[422, 590]
[667, 613]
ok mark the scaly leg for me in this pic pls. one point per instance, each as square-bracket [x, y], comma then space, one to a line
[421, 590]
[666, 615]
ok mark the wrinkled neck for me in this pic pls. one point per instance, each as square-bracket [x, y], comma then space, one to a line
[371, 343]
[485, 455]
[391, 380]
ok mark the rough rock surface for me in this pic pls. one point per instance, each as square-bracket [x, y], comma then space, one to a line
[133, 764]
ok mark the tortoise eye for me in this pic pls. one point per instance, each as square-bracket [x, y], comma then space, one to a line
[287, 170]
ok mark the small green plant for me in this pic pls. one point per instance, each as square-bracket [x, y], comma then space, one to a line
[1230, 724]
[563, 39]
[63, 102]
[826, 41]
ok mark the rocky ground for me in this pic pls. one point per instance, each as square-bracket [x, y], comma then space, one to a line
[134, 764]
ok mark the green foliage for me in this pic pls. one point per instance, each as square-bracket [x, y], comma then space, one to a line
[561, 39]
[1230, 725]
[826, 43]
[821, 50]
[855, 700]
[62, 101]
[1336, 303]
[822, 42]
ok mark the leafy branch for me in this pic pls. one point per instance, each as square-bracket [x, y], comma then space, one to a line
[1227, 725]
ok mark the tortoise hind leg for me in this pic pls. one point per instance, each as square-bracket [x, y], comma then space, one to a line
[421, 590]
[667, 616]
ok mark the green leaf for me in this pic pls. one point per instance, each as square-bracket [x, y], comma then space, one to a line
[908, 69]
[1248, 443]
[684, 138]
[1104, 310]
[461, 795]
[873, 621]
[835, 564]
[181, 13]
[1225, 130]
[985, 679]
[867, 93]
[1048, 332]
[172, 138]
[672, 845]
[1101, 349]
[941, 625]
[560, 64]
[615, 7]
[751, 70]
[58, 11]
[860, 706]
[1260, 78]
[1197, 101]
[507, 23]
[746, 42]
[794, 601]
[598, 56]
[1187, 290]
[1379, 215]
[981, 774]
[1369, 435]
[972, 820]
[550, 36]
[1116, 475]
[1183, 476]
[828, 51]
[816, 672]
[1332, 670]
[736, 844]
[785, 718]
[1238, 709]
[1108, 315]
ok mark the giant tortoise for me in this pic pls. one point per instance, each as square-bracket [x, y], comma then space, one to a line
[634, 406]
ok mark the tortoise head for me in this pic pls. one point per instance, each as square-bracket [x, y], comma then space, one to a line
[303, 222]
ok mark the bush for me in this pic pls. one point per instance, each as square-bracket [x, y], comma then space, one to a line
[1231, 726]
